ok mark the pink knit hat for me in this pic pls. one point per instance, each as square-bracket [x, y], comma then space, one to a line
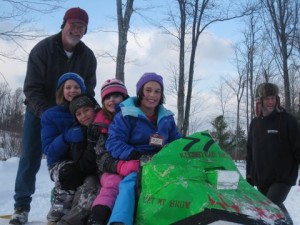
[113, 86]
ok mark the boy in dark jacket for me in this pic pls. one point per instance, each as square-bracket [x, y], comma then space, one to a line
[78, 172]
[273, 147]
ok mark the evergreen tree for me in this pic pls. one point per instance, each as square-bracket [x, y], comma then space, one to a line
[221, 135]
[239, 144]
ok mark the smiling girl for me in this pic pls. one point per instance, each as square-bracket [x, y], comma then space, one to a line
[140, 130]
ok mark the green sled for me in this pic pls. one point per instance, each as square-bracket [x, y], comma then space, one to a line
[193, 181]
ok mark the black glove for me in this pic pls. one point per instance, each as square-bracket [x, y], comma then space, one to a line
[134, 155]
[93, 133]
[250, 181]
[70, 177]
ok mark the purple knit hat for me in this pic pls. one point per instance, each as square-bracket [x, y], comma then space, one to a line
[149, 77]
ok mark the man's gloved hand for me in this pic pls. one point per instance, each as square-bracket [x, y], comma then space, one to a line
[124, 168]
[93, 133]
[70, 177]
[73, 134]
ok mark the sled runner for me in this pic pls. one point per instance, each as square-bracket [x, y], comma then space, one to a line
[5, 216]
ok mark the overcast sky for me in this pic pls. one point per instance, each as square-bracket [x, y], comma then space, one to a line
[148, 51]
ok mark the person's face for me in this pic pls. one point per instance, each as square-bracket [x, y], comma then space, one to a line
[151, 96]
[85, 115]
[268, 105]
[71, 89]
[72, 33]
[110, 101]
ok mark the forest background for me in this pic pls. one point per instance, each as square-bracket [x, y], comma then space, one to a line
[212, 55]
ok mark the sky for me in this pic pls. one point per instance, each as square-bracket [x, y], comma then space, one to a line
[41, 198]
[148, 50]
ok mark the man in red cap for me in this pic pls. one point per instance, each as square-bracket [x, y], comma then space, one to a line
[48, 60]
[74, 27]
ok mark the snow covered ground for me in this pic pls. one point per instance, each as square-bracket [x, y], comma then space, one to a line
[41, 198]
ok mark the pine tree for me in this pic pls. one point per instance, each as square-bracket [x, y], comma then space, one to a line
[221, 135]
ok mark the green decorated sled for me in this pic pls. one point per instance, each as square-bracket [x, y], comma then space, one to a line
[192, 181]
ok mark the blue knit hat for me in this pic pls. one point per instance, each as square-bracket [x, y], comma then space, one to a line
[71, 76]
[149, 77]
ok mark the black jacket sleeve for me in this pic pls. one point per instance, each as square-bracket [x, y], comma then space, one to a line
[84, 156]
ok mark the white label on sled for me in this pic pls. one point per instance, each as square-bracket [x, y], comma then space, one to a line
[228, 179]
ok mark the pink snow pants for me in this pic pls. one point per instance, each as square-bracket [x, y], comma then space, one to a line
[109, 190]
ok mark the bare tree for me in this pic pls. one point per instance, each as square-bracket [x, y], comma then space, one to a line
[295, 87]
[123, 28]
[17, 110]
[238, 87]
[251, 45]
[223, 94]
[11, 121]
[4, 102]
[249, 60]
[195, 17]
[284, 17]
[17, 20]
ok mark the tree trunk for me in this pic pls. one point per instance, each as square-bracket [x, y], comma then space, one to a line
[181, 80]
[123, 27]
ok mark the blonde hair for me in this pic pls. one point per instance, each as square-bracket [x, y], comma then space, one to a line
[60, 99]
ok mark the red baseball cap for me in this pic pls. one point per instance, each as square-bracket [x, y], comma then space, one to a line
[76, 15]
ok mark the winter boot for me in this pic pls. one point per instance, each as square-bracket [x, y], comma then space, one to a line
[19, 217]
[91, 221]
[61, 204]
[100, 215]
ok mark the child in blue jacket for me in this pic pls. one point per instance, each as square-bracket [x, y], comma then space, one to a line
[141, 128]
[57, 134]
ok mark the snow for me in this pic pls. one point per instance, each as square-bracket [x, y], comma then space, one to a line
[41, 199]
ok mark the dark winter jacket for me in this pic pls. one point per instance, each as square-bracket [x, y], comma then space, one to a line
[273, 149]
[54, 122]
[47, 62]
[83, 155]
[90, 156]
[131, 130]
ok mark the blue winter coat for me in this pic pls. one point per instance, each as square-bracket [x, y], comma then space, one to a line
[55, 121]
[131, 130]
